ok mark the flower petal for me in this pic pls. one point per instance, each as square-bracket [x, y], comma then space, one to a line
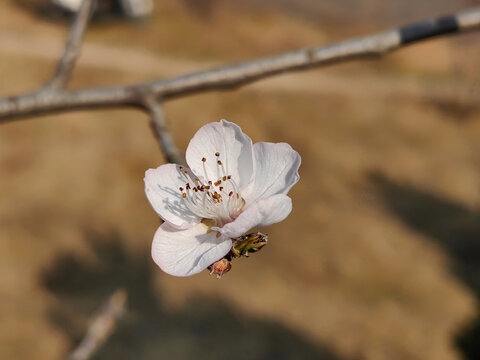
[276, 171]
[187, 252]
[261, 213]
[162, 188]
[235, 150]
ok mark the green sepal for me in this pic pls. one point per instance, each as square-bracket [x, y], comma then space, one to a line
[249, 243]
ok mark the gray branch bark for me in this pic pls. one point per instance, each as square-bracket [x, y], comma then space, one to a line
[101, 326]
[73, 48]
[161, 130]
[233, 76]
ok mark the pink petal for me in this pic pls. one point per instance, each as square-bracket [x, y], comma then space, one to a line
[187, 252]
[235, 150]
[162, 188]
[264, 212]
[276, 170]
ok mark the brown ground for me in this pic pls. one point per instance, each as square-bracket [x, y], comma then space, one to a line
[377, 261]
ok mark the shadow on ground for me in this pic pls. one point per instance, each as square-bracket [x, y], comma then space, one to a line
[202, 329]
[452, 226]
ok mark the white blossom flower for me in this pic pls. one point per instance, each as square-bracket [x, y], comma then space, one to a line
[231, 187]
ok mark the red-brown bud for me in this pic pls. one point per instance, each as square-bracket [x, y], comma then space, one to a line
[220, 268]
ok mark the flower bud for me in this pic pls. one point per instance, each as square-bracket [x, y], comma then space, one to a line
[249, 243]
[220, 268]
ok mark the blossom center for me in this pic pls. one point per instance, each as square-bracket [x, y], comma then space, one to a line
[212, 196]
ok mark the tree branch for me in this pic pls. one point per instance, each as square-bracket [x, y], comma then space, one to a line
[240, 74]
[101, 326]
[162, 132]
[73, 48]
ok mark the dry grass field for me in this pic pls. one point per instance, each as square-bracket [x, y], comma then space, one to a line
[380, 258]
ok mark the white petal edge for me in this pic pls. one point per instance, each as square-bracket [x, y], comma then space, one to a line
[276, 170]
[187, 252]
[162, 189]
[235, 148]
[264, 212]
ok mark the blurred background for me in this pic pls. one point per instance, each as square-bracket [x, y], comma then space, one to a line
[380, 256]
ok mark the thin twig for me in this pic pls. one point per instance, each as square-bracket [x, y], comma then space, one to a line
[73, 48]
[101, 327]
[162, 131]
[240, 74]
